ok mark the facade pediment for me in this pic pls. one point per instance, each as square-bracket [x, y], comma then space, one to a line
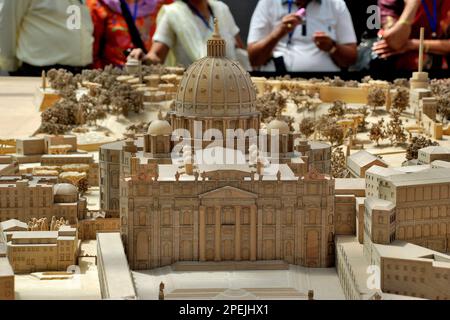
[228, 193]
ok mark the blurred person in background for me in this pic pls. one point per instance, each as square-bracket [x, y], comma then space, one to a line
[111, 32]
[402, 20]
[324, 41]
[38, 35]
[183, 29]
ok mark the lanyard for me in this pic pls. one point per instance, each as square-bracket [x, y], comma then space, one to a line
[136, 8]
[198, 14]
[135, 11]
[432, 19]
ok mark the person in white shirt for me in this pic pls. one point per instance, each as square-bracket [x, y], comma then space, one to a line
[183, 29]
[323, 41]
[38, 35]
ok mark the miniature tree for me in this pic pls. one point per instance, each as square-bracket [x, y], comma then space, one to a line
[83, 186]
[377, 132]
[352, 84]
[443, 106]
[307, 127]
[417, 143]
[270, 105]
[376, 97]
[339, 164]
[395, 130]
[338, 109]
[364, 111]
[335, 82]
[440, 86]
[328, 128]
[401, 83]
[400, 100]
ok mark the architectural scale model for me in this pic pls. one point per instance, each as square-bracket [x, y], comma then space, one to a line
[161, 183]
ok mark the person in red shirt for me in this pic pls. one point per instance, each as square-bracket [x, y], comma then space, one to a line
[111, 35]
[402, 20]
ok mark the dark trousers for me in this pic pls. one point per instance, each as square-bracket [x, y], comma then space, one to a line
[28, 70]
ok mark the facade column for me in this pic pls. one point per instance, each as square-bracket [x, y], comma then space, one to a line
[218, 235]
[202, 234]
[253, 224]
[237, 235]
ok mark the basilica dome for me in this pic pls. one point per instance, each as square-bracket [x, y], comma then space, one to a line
[216, 86]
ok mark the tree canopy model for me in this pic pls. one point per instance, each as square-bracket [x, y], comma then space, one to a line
[400, 101]
[395, 130]
[330, 130]
[339, 164]
[338, 109]
[377, 132]
[376, 97]
[307, 127]
[417, 143]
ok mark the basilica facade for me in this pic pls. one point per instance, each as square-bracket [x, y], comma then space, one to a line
[264, 209]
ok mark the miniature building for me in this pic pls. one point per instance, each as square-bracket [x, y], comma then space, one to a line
[31, 197]
[415, 271]
[114, 274]
[30, 146]
[88, 228]
[110, 172]
[223, 212]
[34, 251]
[59, 160]
[421, 198]
[246, 219]
[357, 273]
[6, 280]
[359, 162]
[318, 154]
[9, 169]
[376, 173]
[10, 226]
[429, 154]
[379, 220]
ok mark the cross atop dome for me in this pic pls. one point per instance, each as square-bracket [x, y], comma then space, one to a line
[216, 45]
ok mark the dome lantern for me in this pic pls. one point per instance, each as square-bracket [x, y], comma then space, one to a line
[216, 45]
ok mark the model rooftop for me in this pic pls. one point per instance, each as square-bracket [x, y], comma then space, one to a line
[429, 176]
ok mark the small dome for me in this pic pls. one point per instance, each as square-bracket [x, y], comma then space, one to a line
[280, 125]
[160, 128]
[65, 189]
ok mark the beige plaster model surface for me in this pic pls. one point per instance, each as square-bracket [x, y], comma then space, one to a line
[81, 286]
[292, 283]
[239, 231]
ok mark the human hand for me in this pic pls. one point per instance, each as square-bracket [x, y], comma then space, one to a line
[288, 24]
[323, 41]
[384, 50]
[137, 54]
[397, 36]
